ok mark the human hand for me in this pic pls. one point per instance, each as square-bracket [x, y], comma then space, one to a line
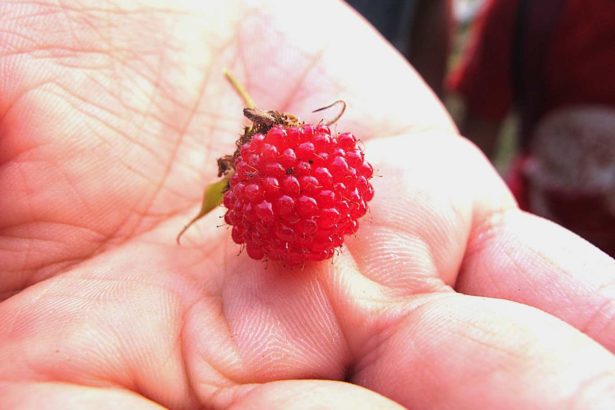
[112, 117]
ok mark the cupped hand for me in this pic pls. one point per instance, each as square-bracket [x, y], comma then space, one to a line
[111, 117]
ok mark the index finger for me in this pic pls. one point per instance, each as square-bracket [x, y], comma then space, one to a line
[524, 258]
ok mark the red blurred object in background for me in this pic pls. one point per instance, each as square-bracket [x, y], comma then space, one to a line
[553, 61]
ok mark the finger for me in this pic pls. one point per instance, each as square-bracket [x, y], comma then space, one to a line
[521, 257]
[50, 395]
[430, 191]
[466, 352]
[309, 394]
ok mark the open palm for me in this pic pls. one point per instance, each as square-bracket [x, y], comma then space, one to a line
[111, 117]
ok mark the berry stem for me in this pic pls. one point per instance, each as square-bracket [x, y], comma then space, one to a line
[338, 116]
[239, 89]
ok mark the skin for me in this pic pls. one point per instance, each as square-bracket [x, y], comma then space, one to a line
[111, 117]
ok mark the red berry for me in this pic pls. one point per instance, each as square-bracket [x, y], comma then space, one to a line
[297, 191]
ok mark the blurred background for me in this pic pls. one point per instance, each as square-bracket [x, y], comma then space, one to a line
[532, 83]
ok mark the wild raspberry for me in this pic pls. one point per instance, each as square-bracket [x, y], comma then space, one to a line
[296, 192]
[292, 190]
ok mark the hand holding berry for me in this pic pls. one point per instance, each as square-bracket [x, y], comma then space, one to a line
[112, 118]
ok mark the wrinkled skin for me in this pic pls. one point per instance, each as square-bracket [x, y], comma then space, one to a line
[111, 117]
